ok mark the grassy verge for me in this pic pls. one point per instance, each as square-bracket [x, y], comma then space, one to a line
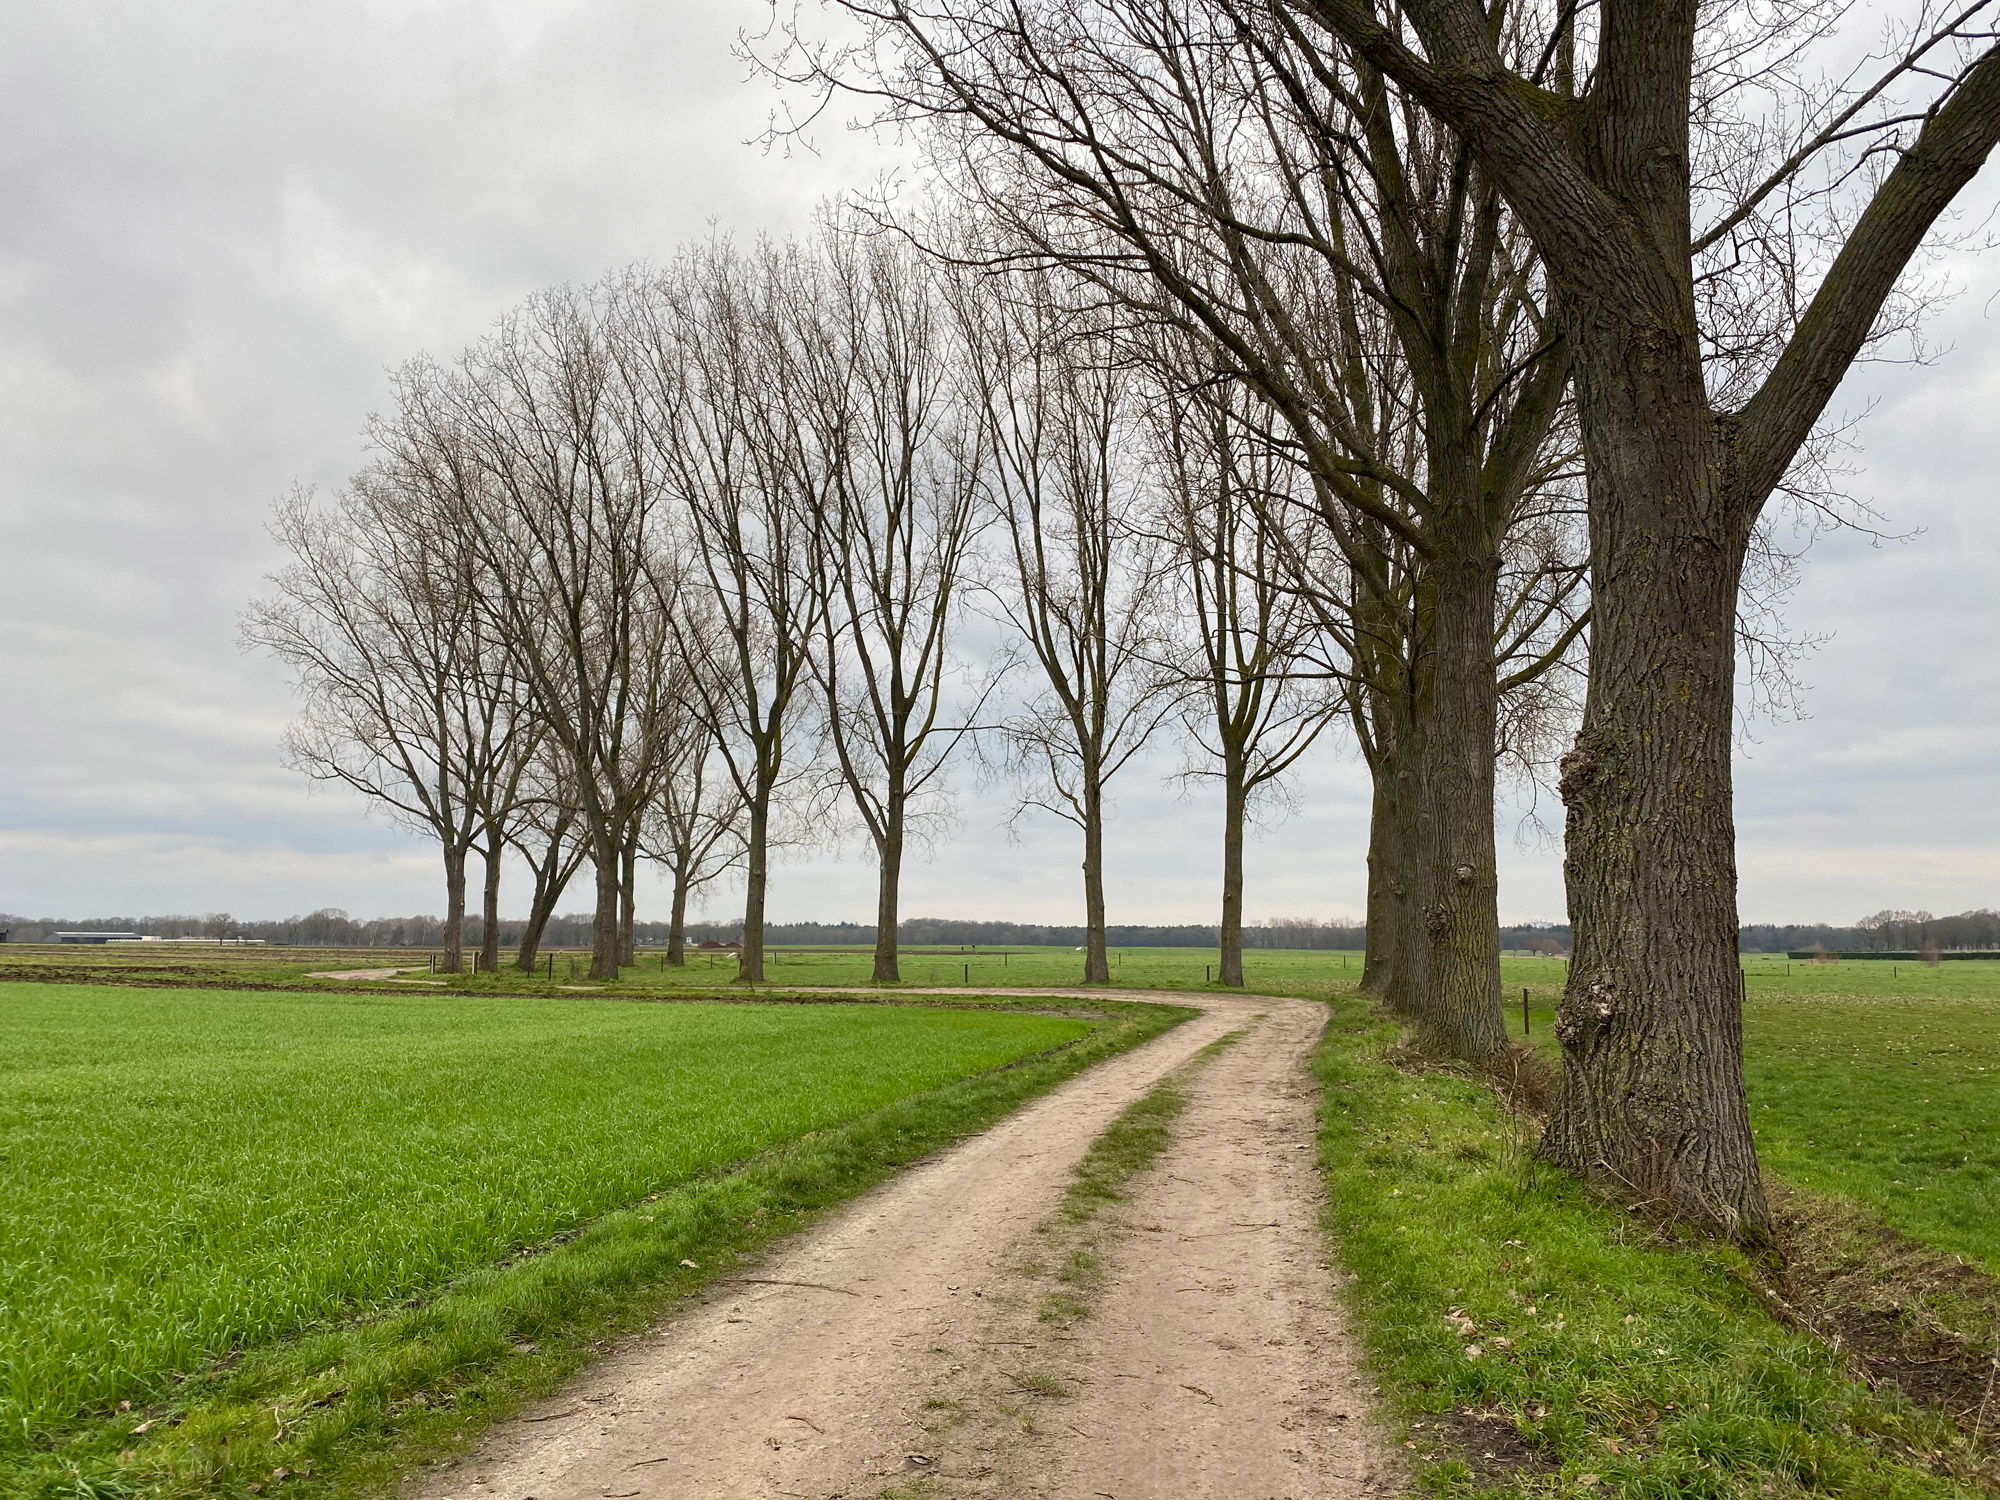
[1538, 1341]
[346, 1409]
[1271, 971]
[1072, 1241]
[1070, 1244]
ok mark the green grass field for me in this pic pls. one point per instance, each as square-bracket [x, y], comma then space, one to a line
[318, 1155]
[1891, 1104]
[1871, 1082]
[1131, 968]
[189, 1172]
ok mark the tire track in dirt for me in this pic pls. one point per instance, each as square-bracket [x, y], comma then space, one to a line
[819, 1373]
[1214, 1361]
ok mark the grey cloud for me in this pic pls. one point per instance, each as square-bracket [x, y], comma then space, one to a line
[226, 219]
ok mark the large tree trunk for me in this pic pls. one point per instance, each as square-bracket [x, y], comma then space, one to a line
[1652, 1096]
[531, 936]
[604, 921]
[1096, 962]
[677, 921]
[628, 898]
[489, 905]
[888, 889]
[1452, 952]
[1234, 799]
[750, 965]
[1388, 883]
[452, 961]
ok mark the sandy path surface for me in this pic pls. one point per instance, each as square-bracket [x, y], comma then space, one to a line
[1213, 1361]
[822, 1372]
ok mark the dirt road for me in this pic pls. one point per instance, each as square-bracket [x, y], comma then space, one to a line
[898, 1346]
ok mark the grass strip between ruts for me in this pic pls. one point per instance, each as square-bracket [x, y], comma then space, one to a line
[1067, 1248]
[347, 1411]
[1134, 1140]
[1535, 1340]
[1128, 1148]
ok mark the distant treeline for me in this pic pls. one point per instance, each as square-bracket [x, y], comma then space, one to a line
[332, 928]
[1890, 931]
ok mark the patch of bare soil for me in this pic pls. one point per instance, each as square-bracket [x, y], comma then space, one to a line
[1190, 1346]
[1905, 1314]
[821, 1373]
[1486, 1441]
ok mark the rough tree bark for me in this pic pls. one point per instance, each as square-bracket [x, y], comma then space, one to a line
[1096, 957]
[1388, 882]
[1652, 1084]
[756, 866]
[604, 918]
[489, 905]
[677, 920]
[1651, 1022]
[628, 897]
[452, 938]
[888, 883]
[1450, 966]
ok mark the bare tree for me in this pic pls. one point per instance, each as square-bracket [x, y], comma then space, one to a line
[408, 696]
[695, 825]
[1204, 163]
[1718, 266]
[731, 422]
[1259, 700]
[549, 836]
[902, 519]
[536, 448]
[1076, 569]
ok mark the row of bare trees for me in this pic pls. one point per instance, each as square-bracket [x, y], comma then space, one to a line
[1465, 255]
[1269, 363]
[681, 566]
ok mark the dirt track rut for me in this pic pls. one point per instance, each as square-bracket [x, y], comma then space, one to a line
[1214, 1363]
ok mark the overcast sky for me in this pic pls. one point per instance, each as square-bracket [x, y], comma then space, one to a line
[224, 221]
